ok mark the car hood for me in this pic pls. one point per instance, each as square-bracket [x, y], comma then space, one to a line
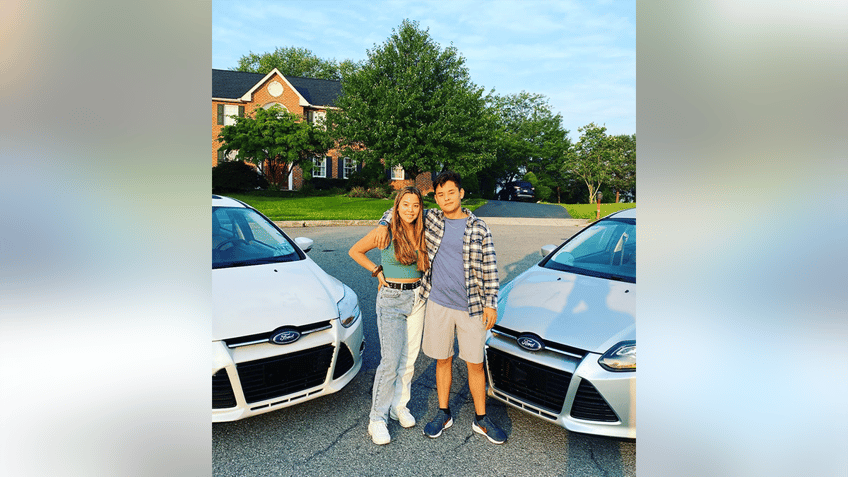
[585, 312]
[260, 298]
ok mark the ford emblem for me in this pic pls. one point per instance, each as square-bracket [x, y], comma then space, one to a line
[530, 343]
[285, 336]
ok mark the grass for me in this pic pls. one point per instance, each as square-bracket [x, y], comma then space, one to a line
[331, 207]
[589, 211]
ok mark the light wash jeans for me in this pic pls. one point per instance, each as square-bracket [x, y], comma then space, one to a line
[400, 323]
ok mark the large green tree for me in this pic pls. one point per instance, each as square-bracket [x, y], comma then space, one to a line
[281, 138]
[592, 158]
[529, 137]
[413, 103]
[294, 61]
[623, 174]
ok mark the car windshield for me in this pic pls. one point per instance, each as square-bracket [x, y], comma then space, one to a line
[606, 249]
[242, 236]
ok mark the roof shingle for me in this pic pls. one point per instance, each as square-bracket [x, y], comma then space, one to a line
[228, 84]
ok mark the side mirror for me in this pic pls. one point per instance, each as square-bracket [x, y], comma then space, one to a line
[547, 249]
[304, 243]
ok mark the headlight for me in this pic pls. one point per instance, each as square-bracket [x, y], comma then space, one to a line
[621, 357]
[348, 308]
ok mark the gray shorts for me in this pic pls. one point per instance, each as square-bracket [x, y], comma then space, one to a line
[441, 324]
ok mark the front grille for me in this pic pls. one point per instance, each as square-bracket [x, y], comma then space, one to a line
[281, 375]
[538, 385]
[344, 362]
[266, 336]
[551, 345]
[589, 405]
[222, 391]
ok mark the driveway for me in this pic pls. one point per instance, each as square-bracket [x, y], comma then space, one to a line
[501, 208]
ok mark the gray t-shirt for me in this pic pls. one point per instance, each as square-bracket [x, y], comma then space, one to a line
[448, 280]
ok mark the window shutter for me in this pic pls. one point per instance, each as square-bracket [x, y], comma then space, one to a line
[341, 168]
[220, 114]
[220, 156]
[389, 173]
[359, 167]
[241, 111]
[329, 173]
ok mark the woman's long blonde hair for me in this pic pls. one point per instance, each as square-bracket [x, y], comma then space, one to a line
[404, 247]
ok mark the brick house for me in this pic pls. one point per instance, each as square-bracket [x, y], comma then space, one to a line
[236, 93]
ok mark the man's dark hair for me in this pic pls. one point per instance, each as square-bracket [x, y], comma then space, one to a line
[447, 176]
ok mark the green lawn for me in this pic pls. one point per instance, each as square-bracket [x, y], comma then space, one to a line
[328, 207]
[589, 211]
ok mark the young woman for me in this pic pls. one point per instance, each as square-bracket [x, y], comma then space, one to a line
[400, 310]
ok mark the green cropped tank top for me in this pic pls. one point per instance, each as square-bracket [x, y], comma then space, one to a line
[394, 269]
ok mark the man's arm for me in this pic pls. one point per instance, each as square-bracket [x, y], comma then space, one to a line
[382, 236]
[491, 317]
[491, 283]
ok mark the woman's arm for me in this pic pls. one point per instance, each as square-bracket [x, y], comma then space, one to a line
[365, 244]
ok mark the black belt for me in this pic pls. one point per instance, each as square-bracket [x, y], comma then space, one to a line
[405, 286]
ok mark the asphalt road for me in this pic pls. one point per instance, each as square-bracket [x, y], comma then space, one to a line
[500, 208]
[328, 436]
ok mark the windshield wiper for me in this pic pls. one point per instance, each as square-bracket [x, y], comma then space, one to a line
[252, 261]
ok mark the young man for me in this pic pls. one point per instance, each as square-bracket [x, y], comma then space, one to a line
[461, 289]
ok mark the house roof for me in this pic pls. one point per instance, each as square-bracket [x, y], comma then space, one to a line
[234, 84]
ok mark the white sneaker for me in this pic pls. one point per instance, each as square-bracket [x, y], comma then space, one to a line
[379, 433]
[403, 416]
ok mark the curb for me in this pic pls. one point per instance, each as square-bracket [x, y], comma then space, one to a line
[489, 221]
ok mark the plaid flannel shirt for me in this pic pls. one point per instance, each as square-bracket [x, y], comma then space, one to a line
[478, 257]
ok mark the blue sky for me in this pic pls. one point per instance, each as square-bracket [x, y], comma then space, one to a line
[580, 55]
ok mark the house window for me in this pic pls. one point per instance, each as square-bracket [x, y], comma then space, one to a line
[316, 117]
[349, 167]
[398, 173]
[226, 157]
[228, 111]
[225, 110]
[319, 167]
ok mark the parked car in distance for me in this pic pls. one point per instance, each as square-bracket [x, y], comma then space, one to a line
[283, 330]
[564, 346]
[518, 190]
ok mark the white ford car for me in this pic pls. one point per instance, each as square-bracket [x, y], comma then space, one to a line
[283, 330]
[564, 346]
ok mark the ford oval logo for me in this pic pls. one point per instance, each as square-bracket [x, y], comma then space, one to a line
[285, 336]
[530, 343]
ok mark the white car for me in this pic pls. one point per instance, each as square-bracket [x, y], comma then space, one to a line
[564, 346]
[283, 330]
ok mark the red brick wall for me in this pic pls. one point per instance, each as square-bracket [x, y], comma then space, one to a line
[260, 97]
[289, 99]
[423, 182]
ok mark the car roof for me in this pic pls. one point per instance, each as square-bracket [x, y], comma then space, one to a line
[624, 214]
[221, 201]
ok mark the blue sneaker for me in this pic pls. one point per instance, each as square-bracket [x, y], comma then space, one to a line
[487, 428]
[434, 428]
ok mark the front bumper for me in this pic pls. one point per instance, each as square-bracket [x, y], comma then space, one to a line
[569, 389]
[258, 378]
